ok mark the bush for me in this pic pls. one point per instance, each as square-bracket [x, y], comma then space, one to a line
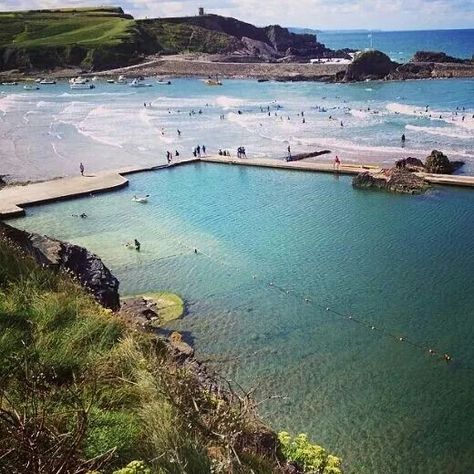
[135, 467]
[311, 457]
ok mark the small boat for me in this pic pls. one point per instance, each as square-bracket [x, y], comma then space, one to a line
[47, 81]
[95, 78]
[212, 82]
[31, 88]
[141, 199]
[81, 86]
[122, 80]
[110, 81]
[137, 83]
[78, 80]
[9, 83]
[163, 83]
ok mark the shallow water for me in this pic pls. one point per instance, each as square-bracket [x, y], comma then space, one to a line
[267, 241]
[47, 133]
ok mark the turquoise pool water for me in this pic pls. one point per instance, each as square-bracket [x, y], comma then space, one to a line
[267, 240]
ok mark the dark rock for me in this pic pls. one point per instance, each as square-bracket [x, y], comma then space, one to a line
[179, 348]
[369, 65]
[302, 156]
[63, 256]
[139, 310]
[395, 180]
[410, 164]
[412, 71]
[434, 57]
[438, 163]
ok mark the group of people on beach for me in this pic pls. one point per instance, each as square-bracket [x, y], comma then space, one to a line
[199, 150]
[169, 156]
[241, 152]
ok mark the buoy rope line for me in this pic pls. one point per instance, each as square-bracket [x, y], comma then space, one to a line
[306, 299]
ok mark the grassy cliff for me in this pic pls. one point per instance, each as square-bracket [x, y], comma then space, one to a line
[95, 38]
[105, 37]
[44, 39]
[83, 391]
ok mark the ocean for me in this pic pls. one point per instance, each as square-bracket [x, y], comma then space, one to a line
[47, 133]
[402, 45]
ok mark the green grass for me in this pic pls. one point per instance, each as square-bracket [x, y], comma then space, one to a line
[79, 386]
[62, 31]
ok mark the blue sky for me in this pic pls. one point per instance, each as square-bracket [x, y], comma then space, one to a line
[319, 14]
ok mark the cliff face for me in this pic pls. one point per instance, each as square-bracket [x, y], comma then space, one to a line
[279, 41]
[102, 38]
[89, 269]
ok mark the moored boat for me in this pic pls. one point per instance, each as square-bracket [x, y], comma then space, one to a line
[81, 86]
[137, 83]
[9, 83]
[80, 83]
[47, 81]
[29, 87]
[212, 82]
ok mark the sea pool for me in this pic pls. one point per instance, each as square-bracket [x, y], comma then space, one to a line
[275, 249]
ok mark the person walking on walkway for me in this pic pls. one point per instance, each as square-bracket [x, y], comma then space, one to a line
[81, 169]
[337, 163]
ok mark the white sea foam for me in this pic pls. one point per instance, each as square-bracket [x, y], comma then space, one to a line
[229, 102]
[95, 94]
[442, 131]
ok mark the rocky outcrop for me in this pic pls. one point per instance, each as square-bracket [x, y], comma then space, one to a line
[410, 164]
[369, 65]
[435, 57]
[438, 163]
[139, 311]
[279, 42]
[432, 65]
[86, 267]
[395, 180]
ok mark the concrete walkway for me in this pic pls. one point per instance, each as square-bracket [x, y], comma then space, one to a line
[14, 198]
[290, 165]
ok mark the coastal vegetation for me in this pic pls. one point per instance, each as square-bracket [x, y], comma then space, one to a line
[82, 390]
[105, 37]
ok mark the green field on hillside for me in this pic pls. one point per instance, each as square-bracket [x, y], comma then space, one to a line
[88, 27]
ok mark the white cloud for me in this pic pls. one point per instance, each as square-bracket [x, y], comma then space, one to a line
[323, 14]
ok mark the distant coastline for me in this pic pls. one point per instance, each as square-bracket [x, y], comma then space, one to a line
[107, 40]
